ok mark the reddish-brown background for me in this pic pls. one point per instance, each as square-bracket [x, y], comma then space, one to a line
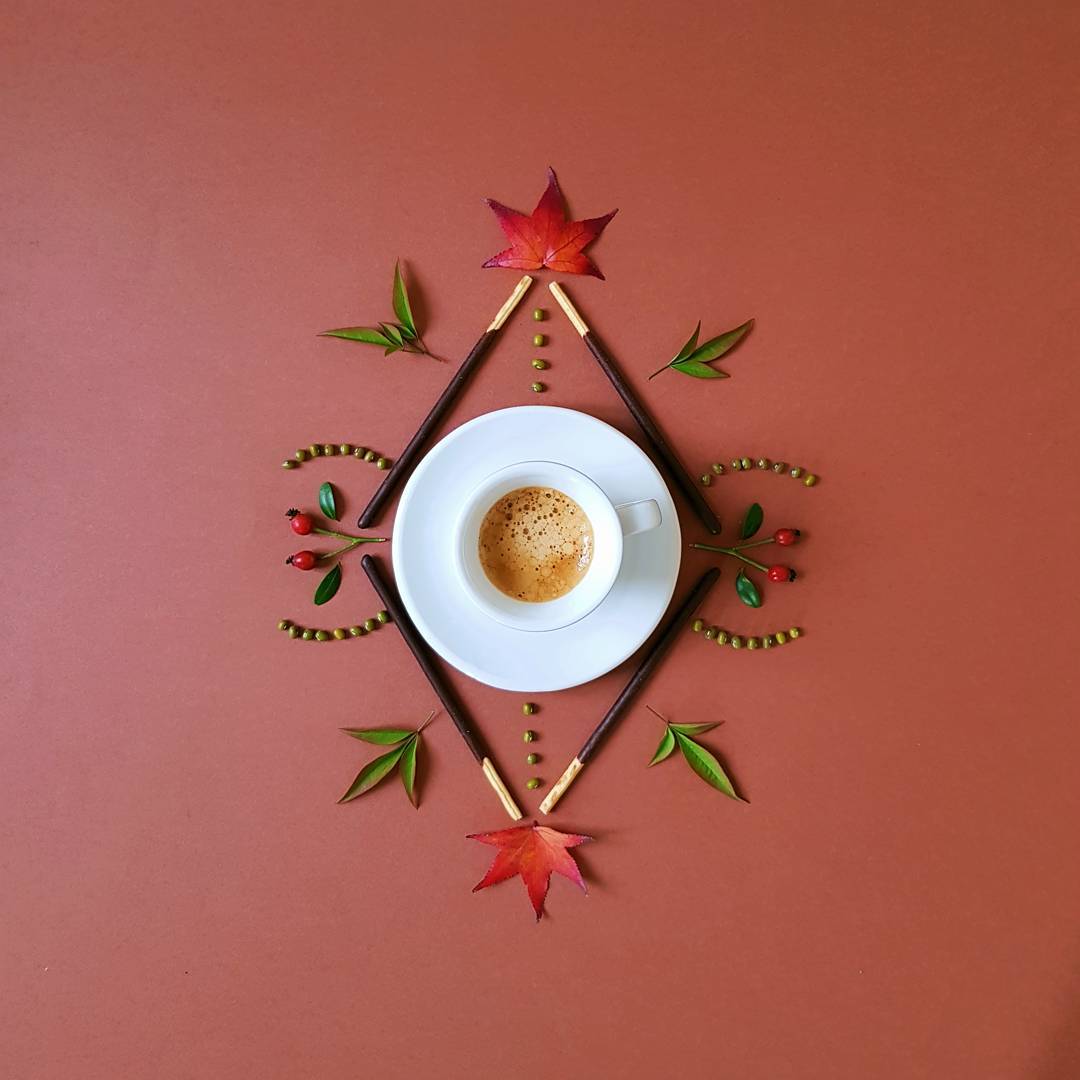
[191, 191]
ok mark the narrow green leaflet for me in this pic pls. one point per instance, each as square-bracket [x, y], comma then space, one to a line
[393, 333]
[683, 353]
[751, 522]
[689, 347]
[372, 773]
[379, 736]
[328, 501]
[694, 729]
[329, 586]
[747, 590]
[667, 744]
[705, 765]
[367, 334]
[401, 302]
[699, 370]
[715, 347]
[408, 767]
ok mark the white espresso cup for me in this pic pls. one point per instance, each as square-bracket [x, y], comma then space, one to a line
[610, 525]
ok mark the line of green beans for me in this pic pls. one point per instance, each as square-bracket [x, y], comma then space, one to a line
[749, 641]
[305, 633]
[361, 453]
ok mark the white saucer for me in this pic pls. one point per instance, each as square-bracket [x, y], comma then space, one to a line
[521, 660]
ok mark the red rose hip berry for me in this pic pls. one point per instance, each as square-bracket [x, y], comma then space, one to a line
[301, 523]
[302, 560]
[786, 537]
[781, 573]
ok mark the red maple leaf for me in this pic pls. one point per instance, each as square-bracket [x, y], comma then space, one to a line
[546, 238]
[535, 852]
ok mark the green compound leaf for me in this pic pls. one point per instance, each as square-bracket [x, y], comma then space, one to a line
[408, 767]
[401, 302]
[366, 334]
[372, 773]
[747, 590]
[328, 501]
[715, 347]
[329, 585]
[667, 744]
[752, 521]
[706, 766]
[379, 736]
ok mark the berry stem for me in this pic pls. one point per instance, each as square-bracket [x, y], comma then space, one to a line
[346, 536]
[350, 545]
[734, 553]
[753, 543]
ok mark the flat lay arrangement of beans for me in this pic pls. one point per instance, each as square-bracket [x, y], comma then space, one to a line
[539, 341]
[747, 641]
[529, 708]
[361, 453]
[796, 472]
[341, 633]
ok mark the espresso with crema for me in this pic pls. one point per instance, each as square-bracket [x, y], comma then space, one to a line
[535, 544]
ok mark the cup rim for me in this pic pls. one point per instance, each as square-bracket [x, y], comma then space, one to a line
[501, 614]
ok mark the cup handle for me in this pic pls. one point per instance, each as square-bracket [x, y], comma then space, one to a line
[640, 516]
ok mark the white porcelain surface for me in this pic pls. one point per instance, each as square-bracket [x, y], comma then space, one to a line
[425, 558]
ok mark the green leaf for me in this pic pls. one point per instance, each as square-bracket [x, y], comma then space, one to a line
[391, 349]
[401, 301]
[329, 585]
[380, 736]
[393, 333]
[328, 500]
[752, 521]
[372, 773]
[747, 590]
[706, 766]
[694, 729]
[699, 370]
[689, 347]
[667, 744]
[406, 333]
[717, 346]
[366, 334]
[408, 767]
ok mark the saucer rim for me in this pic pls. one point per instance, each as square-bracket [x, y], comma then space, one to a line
[550, 682]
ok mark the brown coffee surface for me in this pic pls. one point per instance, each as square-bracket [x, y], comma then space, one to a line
[535, 544]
